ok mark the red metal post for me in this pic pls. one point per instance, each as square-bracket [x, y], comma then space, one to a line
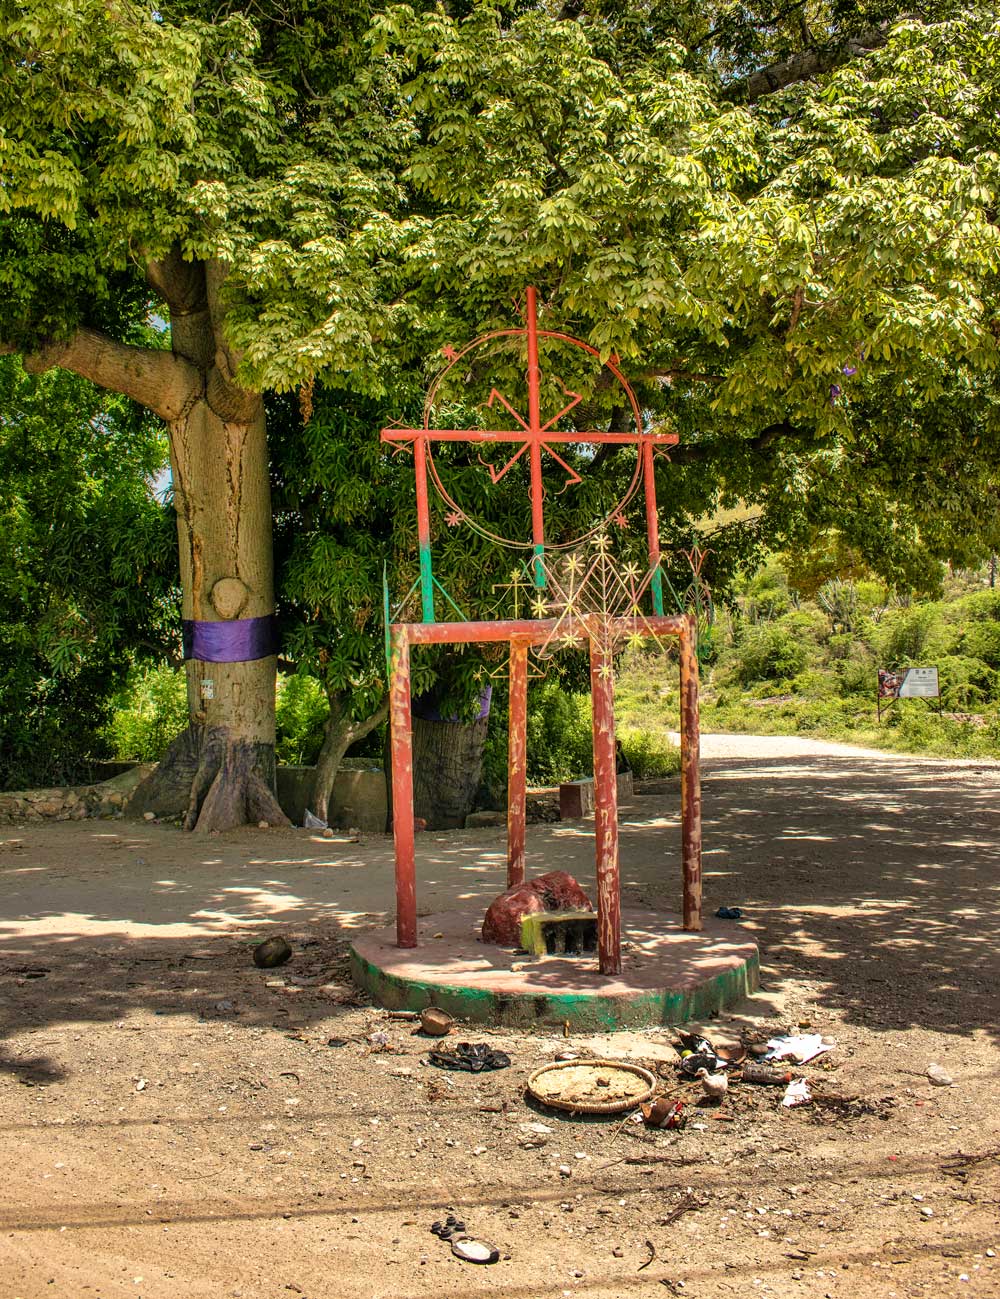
[534, 436]
[652, 526]
[400, 723]
[609, 924]
[423, 530]
[517, 754]
[690, 777]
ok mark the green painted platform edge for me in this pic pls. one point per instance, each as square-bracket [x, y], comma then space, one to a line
[586, 1011]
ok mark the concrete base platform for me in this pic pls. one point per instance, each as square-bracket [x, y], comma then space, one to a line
[669, 976]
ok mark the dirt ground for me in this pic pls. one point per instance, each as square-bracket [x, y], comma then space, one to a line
[179, 1123]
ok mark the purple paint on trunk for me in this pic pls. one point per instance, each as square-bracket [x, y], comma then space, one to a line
[237, 640]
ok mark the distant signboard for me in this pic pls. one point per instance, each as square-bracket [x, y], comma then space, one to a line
[910, 683]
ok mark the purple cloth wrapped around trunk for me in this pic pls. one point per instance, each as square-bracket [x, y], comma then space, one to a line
[236, 640]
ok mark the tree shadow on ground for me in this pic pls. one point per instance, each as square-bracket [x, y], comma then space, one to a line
[878, 880]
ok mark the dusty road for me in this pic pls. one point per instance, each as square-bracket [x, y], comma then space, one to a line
[176, 1123]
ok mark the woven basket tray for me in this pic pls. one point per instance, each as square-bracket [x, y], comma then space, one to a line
[579, 1091]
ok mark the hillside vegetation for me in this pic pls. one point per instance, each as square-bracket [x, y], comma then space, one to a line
[777, 664]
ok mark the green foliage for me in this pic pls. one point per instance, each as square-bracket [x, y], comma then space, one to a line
[560, 743]
[148, 712]
[813, 267]
[650, 755]
[772, 651]
[87, 569]
[302, 709]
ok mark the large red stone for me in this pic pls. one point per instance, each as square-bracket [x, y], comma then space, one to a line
[556, 891]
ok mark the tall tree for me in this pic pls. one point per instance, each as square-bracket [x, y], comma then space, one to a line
[751, 202]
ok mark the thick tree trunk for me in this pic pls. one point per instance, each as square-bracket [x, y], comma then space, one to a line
[447, 768]
[222, 498]
[220, 773]
[340, 733]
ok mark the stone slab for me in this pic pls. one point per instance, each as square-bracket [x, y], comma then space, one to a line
[668, 976]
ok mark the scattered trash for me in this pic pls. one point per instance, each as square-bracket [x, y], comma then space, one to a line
[435, 1022]
[450, 1227]
[475, 1251]
[310, 822]
[474, 1057]
[592, 1086]
[271, 952]
[694, 1042]
[692, 1064]
[380, 1039]
[663, 1113]
[462, 1246]
[939, 1077]
[797, 1093]
[729, 913]
[652, 1255]
[799, 1048]
[698, 1052]
[764, 1076]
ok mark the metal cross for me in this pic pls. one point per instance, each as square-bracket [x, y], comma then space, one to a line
[534, 438]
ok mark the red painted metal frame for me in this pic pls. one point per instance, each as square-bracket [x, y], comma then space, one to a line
[517, 762]
[534, 436]
[520, 634]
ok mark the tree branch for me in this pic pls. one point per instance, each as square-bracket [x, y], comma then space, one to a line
[158, 380]
[690, 453]
[359, 730]
[808, 63]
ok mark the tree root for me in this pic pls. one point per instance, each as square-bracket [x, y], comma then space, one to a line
[213, 782]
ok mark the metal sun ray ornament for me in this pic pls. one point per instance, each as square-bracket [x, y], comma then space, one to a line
[576, 595]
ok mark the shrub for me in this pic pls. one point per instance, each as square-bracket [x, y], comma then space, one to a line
[650, 755]
[560, 746]
[149, 712]
[775, 651]
[301, 711]
[966, 683]
[906, 635]
[981, 640]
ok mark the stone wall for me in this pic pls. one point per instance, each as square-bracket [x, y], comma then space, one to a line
[76, 803]
[359, 798]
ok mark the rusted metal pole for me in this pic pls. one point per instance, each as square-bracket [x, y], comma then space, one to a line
[400, 723]
[652, 526]
[534, 439]
[517, 754]
[690, 777]
[423, 530]
[533, 630]
[609, 908]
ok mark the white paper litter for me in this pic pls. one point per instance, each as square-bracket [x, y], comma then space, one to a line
[797, 1093]
[800, 1049]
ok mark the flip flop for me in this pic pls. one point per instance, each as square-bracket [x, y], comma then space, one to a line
[472, 1057]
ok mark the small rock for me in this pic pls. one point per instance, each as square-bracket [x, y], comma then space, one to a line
[617, 1252]
[271, 952]
[149, 816]
[564, 1170]
[141, 1085]
[262, 825]
[926, 1212]
[938, 1076]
